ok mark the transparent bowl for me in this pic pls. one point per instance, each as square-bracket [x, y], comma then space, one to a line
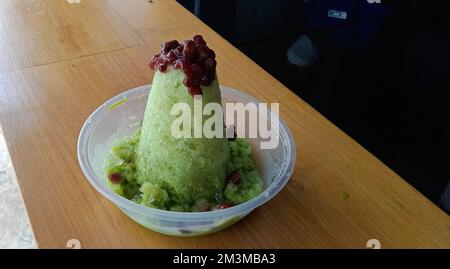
[122, 116]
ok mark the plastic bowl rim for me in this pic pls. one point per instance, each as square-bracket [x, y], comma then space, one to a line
[128, 205]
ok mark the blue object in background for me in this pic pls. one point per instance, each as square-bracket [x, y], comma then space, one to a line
[345, 22]
[320, 14]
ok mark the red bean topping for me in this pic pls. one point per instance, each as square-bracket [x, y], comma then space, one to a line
[224, 205]
[198, 39]
[234, 178]
[192, 56]
[195, 90]
[172, 56]
[168, 46]
[116, 178]
[210, 64]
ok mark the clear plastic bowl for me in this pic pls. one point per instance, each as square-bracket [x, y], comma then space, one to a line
[122, 116]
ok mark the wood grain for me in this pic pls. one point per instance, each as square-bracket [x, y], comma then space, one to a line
[339, 196]
[37, 32]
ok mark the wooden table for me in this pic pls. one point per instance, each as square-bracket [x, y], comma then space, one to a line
[59, 61]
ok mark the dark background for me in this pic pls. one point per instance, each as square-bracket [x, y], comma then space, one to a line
[382, 74]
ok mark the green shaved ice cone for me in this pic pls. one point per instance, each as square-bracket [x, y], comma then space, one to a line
[187, 169]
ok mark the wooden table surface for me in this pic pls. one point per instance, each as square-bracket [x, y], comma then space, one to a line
[60, 61]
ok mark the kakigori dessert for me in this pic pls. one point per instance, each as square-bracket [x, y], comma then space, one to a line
[155, 169]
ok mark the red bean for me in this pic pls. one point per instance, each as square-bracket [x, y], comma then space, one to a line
[168, 46]
[224, 205]
[116, 178]
[234, 178]
[192, 56]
